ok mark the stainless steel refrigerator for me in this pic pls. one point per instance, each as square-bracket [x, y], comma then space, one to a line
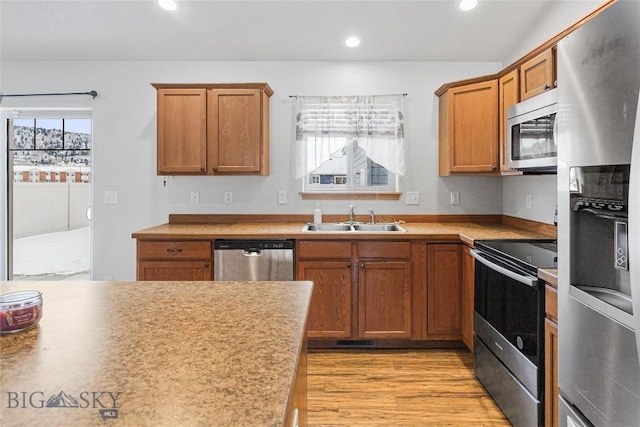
[599, 220]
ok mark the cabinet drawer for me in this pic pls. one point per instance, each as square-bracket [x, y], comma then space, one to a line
[174, 250]
[551, 303]
[384, 250]
[324, 250]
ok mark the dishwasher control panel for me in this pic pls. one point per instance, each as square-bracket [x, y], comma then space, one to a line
[254, 244]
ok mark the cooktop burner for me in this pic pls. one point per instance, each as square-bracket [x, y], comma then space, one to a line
[531, 254]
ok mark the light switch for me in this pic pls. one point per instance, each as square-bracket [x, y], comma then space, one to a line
[413, 198]
[111, 197]
[282, 197]
[455, 198]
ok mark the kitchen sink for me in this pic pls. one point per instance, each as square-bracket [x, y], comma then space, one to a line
[327, 227]
[355, 227]
[378, 227]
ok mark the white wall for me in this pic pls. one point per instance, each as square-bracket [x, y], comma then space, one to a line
[557, 17]
[124, 145]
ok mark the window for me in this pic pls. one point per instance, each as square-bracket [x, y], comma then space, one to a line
[350, 143]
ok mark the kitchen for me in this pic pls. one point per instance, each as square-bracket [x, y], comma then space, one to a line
[125, 86]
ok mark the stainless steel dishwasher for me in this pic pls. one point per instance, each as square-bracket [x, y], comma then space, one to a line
[253, 260]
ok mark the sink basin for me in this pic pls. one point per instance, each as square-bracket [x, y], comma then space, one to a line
[327, 227]
[357, 227]
[377, 227]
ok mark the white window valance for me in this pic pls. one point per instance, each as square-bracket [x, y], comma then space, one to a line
[326, 125]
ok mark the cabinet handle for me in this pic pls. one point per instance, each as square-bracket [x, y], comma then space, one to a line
[349, 265]
[546, 87]
[362, 266]
[202, 169]
[206, 265]
[494, 168]
[174, 250]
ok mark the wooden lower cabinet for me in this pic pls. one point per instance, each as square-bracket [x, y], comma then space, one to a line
[175, 270]
[444, 291]
[174, 260]
[468, 279]
[362, 289]
[551, 374]
[330, 310]
[551, 389]
[384, 299]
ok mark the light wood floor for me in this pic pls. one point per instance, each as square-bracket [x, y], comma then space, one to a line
[397, 388]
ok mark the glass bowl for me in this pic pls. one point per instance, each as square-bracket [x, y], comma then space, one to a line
[19, 311]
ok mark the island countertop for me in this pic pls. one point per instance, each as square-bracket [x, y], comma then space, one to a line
[155, 354]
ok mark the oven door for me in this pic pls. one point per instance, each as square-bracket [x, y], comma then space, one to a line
[509, 318]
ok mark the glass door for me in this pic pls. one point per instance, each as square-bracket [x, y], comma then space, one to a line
[48, 198]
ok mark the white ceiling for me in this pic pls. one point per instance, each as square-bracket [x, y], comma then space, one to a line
[264, 30]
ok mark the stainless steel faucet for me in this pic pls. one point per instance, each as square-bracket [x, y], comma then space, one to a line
[351, 216]
[373, 217]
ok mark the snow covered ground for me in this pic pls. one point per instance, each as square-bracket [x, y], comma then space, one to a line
[63, 255]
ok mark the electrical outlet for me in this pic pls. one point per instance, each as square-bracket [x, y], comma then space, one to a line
[413, 198]
[110, 197]
[282, 197]
[529, 201]
[195, 198]
[228, 197]
[455, 198]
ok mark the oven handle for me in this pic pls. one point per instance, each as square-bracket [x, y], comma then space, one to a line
[527, 280]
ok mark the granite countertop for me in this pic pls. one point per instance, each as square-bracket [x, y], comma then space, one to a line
[159, 353]
[467, 232]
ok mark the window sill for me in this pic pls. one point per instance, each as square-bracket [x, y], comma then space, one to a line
[387, 195]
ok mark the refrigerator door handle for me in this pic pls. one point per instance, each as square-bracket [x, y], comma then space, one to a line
[634, 224]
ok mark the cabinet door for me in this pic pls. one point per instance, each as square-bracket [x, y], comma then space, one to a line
[508, 93]
[330, 310]
[444, 291]
[550, 374]
[182, 131]
[537, 75]
[469, 129]
[175, 270]
[235, 131]
[468, 278]
[384, 299]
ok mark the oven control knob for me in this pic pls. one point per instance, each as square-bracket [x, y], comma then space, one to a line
[520, 342]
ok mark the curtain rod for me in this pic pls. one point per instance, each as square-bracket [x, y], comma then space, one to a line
[93, 94]
[295, 96]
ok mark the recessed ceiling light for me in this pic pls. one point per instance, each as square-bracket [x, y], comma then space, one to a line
[466, 5]
[170, 5]
[352, 41]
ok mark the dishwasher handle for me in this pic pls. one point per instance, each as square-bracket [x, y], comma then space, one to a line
[251, 252]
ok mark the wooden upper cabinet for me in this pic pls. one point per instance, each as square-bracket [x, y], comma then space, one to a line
[538, 74]
[508, 95]
[238, 143]
[182, 131]
[213, 129]
[468, 129]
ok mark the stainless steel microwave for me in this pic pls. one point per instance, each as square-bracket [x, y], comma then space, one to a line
[532, 133]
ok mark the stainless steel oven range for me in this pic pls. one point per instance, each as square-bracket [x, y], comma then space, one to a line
[509, 324]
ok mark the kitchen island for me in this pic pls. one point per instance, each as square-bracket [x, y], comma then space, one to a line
[158, 353]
